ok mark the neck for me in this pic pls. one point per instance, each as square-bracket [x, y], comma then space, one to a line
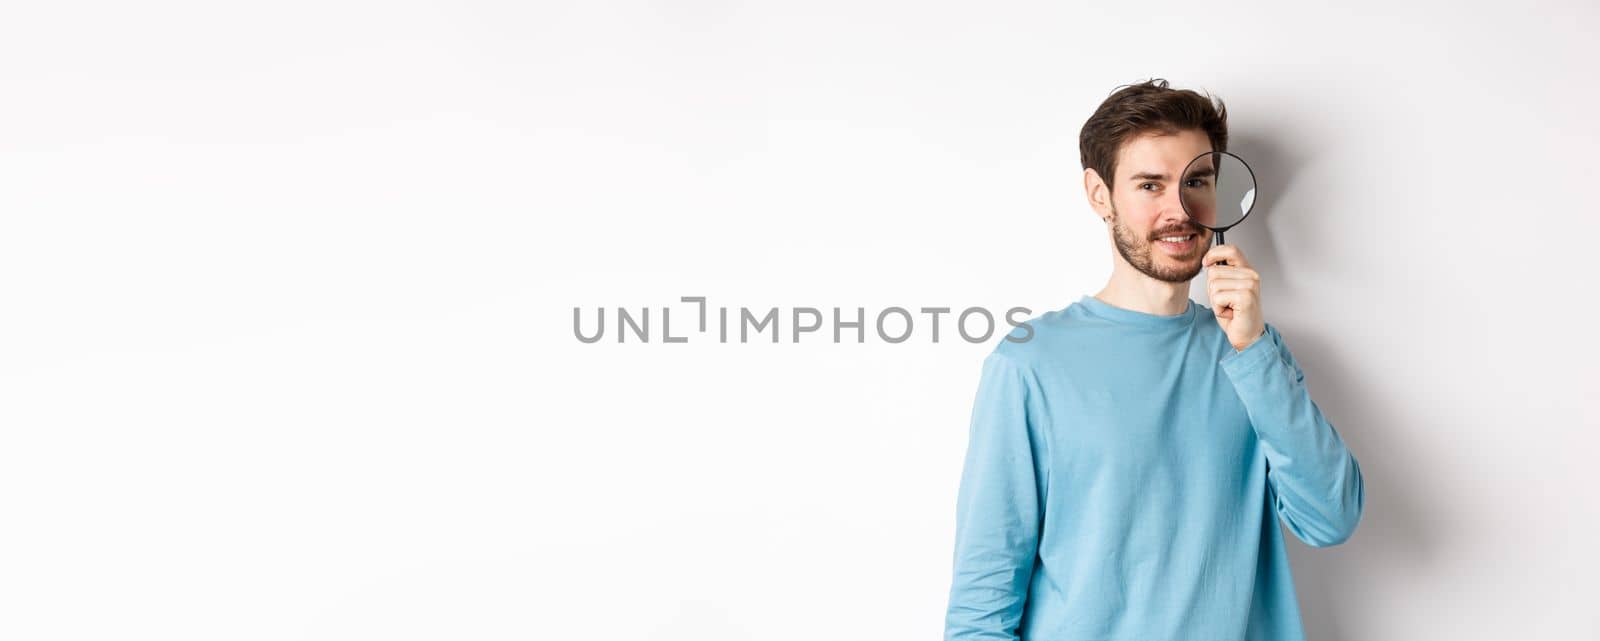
[1131, 289]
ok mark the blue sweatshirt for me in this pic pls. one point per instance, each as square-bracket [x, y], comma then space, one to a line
[1123, 480]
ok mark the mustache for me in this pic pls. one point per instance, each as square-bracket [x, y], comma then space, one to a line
[1176, 231]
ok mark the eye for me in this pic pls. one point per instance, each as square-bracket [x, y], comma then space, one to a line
[1195, 183]
[1143, 185]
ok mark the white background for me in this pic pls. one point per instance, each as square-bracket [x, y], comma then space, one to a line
[286, 296]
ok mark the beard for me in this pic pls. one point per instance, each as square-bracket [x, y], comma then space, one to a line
[1141, 252]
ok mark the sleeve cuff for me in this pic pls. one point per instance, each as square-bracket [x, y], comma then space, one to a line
[1254, 357]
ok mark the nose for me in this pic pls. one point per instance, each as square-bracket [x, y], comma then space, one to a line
[1172, 213]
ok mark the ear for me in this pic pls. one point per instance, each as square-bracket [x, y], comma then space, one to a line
[1098, 192]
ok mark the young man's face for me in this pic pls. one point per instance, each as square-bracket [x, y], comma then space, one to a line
[1145, 209]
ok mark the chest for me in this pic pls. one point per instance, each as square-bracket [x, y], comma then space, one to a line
[1182, 416]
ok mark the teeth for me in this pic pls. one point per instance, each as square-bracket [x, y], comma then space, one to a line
[1177, 239]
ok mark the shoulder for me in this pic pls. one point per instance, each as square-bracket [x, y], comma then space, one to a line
[1038, 339]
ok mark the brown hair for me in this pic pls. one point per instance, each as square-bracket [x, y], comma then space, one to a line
[1146, 107]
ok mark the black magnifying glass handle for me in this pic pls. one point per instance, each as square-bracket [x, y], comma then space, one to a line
[1219, 242]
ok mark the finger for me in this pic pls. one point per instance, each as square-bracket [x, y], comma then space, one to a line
[1240, 300]
[1221, 276]
[1234, 298]
[1222, 311]
[1219, 300]
[1229, 253]
[1217, 253]
[1232, 283]
[1230, 271]
[1224, 253]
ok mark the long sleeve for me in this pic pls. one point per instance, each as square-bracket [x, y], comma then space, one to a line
[1315, 480]
[998, 510]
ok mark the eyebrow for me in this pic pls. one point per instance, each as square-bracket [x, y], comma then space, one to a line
[1198, 173]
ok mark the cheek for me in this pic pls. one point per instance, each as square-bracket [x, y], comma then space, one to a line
[1138, 217]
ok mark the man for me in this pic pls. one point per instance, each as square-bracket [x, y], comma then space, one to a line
[1126, 467]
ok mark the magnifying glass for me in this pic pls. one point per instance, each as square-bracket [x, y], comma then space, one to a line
[1217, 191]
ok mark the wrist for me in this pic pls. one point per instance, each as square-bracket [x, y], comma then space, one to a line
[1240, 348]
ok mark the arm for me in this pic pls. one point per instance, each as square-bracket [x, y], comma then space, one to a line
[1314, 478]
[998, 510]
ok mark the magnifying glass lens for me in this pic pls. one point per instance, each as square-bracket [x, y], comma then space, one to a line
[1218, 190]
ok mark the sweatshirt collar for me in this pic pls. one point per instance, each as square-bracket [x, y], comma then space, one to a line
[1111, 312]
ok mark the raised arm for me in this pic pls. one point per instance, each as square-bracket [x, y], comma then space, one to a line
[998, 510]
[1314, 478]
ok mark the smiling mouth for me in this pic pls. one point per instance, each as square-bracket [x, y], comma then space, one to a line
[1177, 243]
